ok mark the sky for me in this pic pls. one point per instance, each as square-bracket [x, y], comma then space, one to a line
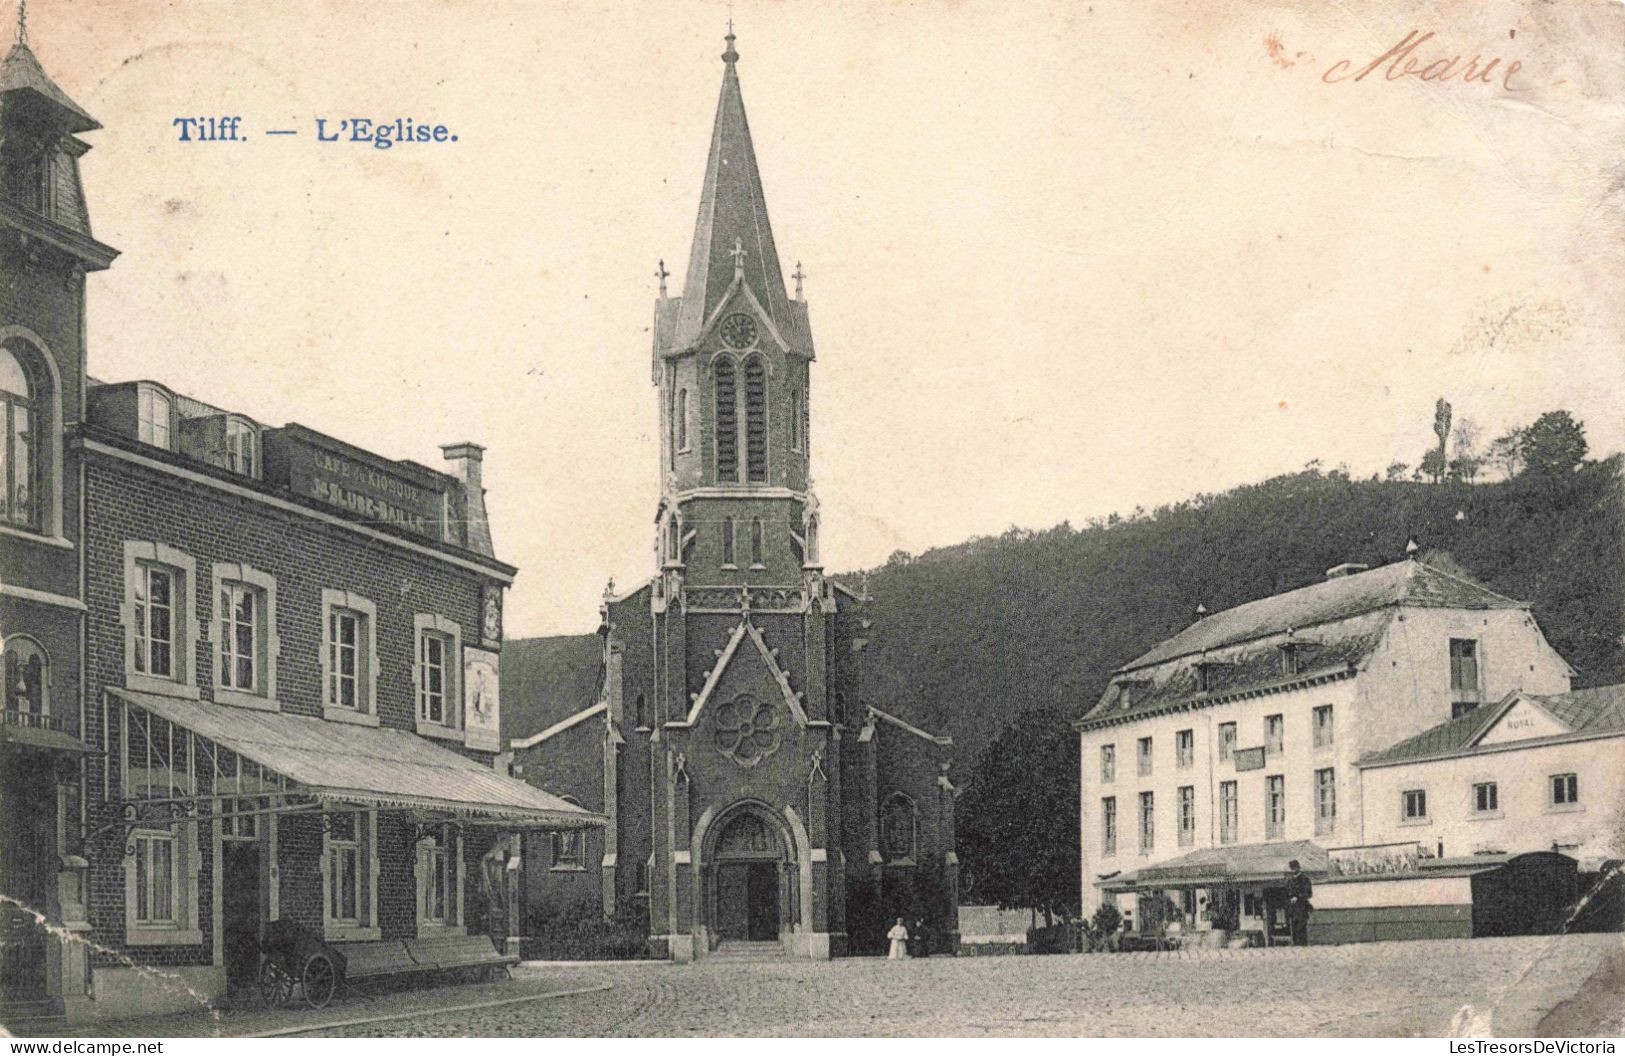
[1062, 259]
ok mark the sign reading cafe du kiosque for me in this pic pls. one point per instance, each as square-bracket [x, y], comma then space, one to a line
[403, 495]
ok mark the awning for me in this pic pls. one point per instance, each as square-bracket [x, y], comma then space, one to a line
[29, 730]
[1247, 863]
[342, 763]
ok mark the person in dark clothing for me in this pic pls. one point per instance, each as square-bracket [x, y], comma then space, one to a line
[1298, 890]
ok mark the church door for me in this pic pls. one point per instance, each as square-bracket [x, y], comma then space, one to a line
[733, 901]
[762, 901]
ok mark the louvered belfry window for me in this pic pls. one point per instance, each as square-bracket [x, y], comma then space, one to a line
[756, 421]
[727, 421]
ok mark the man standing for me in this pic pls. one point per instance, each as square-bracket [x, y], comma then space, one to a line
[1298, 890]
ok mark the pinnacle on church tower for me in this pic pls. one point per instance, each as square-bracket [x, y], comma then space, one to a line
[732, 221]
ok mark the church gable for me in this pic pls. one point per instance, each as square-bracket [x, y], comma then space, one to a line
[1524, 720]
[747, 667]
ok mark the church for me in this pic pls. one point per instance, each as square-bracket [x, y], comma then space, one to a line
[757, 799]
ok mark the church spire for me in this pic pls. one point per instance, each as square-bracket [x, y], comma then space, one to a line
[732, 220]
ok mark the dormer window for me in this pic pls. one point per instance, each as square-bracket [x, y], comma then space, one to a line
[1209, 674]
[242, 447]
[155, 410]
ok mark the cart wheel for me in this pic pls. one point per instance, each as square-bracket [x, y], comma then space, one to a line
[275, 986]
[320, 981]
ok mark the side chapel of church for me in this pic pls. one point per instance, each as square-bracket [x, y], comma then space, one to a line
[719, 716]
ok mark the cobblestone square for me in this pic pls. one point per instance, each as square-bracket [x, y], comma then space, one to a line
[1468, 987]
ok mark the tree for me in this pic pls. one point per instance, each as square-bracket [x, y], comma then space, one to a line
[1433, 465]
[1467, 459]
[1396, 471]
[1018, 818]
[1506, 452]
[1555, 445]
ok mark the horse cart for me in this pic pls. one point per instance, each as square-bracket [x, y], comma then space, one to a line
[297, 958]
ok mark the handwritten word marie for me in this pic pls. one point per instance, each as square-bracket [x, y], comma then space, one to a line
[1402, 62]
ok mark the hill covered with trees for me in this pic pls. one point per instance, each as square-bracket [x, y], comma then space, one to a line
[968, 637]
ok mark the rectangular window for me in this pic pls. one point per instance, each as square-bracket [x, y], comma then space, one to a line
[154, 878]
[344, 630]
[155, 620]
[1108, 763]
[1486, 797]
[1143, 756]
[1464, 671]
[1414, 804]
[1148, 822]
[1565, 789]
[1227, 741]
[1274, 734]
[1274, 807]
[1185, 749]
[1325, 801]
[240, 442]
[434, 651]
[1229, 812]
[240, 624]
[1108, 826]
[1187, 815]
[344, 869]
[728, 541]
[1323, 726]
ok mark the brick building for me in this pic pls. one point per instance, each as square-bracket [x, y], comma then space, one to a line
[718, 718]
[252, 673]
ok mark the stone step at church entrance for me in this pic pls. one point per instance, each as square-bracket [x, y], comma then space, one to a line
[736, 950]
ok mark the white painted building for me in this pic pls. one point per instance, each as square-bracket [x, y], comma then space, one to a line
[1234, 745]
[1534, 772]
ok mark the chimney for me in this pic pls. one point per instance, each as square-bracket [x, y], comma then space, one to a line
[465, 459]
[1347, 568]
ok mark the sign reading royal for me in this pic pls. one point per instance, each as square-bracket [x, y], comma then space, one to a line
[398, 494]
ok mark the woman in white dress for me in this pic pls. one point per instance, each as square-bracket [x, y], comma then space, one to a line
[899, 941]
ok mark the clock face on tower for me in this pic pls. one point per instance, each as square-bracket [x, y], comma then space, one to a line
[739, 330]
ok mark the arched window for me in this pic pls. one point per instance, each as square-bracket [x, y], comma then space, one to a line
[898, 828]
[641, 710]
[153, 414]
[812, 541]
[727, 417]
[840, 708]
[19, 449]
[674, 540]
[795, 419]
[27, 676]
[727, 540]
[756, 542]
[242, 447]
[680, 420]
[756, 421]
[567, 845]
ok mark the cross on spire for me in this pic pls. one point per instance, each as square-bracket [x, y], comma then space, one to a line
[730, 56]
[22, 21]
[662, 274]
[738, 253]
[798, 276]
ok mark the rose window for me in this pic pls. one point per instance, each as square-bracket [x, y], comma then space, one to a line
[747, 730]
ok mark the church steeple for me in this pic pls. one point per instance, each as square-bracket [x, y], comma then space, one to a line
[732, 221]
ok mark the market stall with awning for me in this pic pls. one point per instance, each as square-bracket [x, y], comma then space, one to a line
[1210, 866]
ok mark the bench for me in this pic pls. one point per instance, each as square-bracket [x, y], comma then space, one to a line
[452, 952]
[372, 960]
[445, 953]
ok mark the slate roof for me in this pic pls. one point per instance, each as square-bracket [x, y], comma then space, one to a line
[1587, 712]
[545, 680]
[22, 72]
[1401, 583]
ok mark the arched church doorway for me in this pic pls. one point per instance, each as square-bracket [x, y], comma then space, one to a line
[750, 870]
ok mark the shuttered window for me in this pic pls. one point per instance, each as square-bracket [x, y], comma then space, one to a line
[756, 421]
[727, 418]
